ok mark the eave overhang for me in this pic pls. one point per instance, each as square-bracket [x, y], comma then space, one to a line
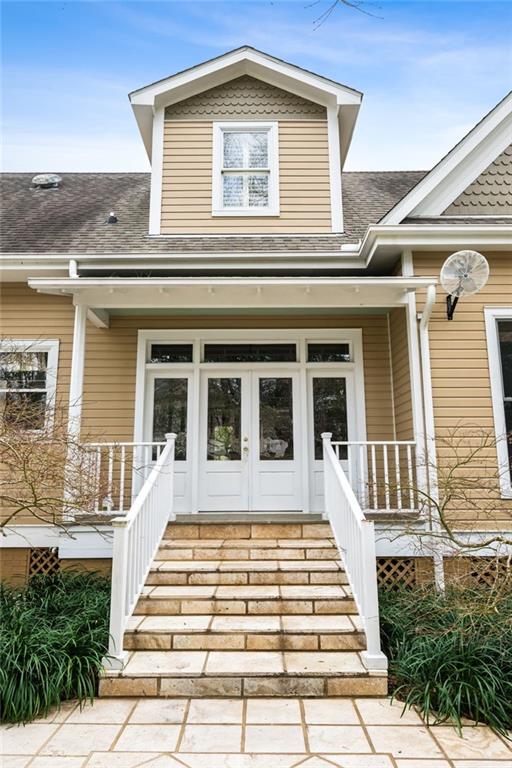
[244, 293]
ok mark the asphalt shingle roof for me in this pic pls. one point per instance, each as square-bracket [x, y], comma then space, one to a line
[72, 219]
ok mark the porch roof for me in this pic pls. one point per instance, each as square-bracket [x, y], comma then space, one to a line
[233, 292]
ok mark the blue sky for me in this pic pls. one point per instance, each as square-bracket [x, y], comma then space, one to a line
[429, 71]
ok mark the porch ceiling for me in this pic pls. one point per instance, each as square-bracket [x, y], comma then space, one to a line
[233, 292]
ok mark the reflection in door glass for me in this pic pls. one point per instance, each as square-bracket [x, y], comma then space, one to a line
[170, 413]
[276, 419]
[224, 417]
[330, 412]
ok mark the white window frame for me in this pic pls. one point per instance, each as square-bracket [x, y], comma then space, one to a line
[51, 347]
[492, 316]
[219, 128]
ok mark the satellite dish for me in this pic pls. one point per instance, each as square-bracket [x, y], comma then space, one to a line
[463, 274]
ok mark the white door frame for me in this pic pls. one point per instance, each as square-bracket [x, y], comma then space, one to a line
[197, 337]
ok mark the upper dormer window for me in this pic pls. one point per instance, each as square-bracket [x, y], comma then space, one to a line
[245, 169]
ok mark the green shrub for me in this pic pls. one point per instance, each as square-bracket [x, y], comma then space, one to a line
[451, 655]
[53, 636]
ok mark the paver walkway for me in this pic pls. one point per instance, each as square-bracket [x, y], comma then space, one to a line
[246, 733]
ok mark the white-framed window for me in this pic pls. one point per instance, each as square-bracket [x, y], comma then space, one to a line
[498, 323]
[28, 380]
[245, 169]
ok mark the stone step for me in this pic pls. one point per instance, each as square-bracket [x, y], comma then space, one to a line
[296, 632]
[260, 530]
[182, 578]
[203, 572]
[232, 549]
[246, 599]
[243, 673]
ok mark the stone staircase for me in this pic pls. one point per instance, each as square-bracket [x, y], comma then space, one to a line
[245, 609]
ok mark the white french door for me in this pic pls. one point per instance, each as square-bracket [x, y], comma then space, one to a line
[250, 453]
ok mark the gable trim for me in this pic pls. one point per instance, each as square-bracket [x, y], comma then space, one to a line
[459, 168]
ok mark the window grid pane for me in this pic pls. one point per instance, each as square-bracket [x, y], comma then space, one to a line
[245, 150]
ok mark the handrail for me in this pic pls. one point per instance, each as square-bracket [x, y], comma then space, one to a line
[355, 539]
[137, 537]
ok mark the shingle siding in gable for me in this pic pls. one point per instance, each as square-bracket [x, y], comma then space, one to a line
[490, 193]
[247, 98]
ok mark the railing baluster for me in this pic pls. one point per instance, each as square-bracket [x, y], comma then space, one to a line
[410, 477]
[121, 478]
[374, 478]
[97, 480]
[398, 479]
[386, 475]
[110, 480]
[361, 477]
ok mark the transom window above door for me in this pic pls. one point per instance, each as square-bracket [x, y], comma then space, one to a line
[245, 169]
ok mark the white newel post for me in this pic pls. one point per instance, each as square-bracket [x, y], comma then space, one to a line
[326, 443]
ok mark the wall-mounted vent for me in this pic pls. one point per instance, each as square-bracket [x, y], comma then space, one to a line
[46, 181]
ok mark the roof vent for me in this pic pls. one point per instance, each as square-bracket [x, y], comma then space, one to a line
[46, 181]
[112, 218]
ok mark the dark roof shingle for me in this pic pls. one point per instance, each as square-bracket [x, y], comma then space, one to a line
[73, 218]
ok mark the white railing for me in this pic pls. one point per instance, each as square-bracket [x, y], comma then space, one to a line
[355, 538]
[381, 473]
[119, 470]
[137, 536]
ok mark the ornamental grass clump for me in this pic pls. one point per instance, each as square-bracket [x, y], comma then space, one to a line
[450, 655]
[53, 637]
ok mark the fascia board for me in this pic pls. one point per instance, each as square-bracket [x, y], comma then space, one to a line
[469, 168]
[432, 237]
[415, 199]
[264, 63]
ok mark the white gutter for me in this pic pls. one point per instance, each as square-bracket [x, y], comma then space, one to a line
[430, 437]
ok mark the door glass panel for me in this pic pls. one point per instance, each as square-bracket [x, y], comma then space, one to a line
[330, 412]
[170, 413]
[224, 419]
[319, 352]
[250, 353]
[276, 419]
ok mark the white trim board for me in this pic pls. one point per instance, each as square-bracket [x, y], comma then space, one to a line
[492, 316]
[459, 168]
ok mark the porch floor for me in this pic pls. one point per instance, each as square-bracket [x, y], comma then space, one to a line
[245, 609]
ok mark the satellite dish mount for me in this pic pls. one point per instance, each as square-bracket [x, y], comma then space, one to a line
[463, 274]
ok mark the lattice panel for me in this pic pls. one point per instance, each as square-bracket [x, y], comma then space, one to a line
[43, 562]
[396, 572]
[486, 571]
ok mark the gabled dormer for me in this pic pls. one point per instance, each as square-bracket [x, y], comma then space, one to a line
[246, 144]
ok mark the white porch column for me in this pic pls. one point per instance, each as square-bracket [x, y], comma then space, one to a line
[77, 372]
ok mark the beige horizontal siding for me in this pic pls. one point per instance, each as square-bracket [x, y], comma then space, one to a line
[304, 185]
[460, 370]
